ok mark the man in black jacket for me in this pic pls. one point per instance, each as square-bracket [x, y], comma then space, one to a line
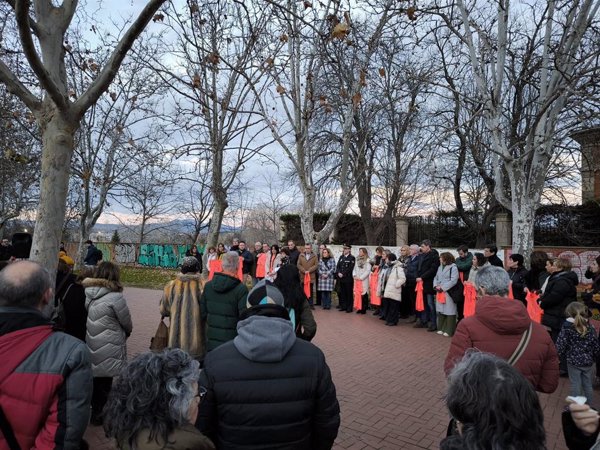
[429, 261]
[490, 253]
[267, 389]
[343, 275]
[294, 253]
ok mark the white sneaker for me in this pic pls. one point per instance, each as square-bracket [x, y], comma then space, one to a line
[445, 334]
[440, 332]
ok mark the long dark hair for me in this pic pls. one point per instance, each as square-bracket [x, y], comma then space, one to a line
[288, 282]
[496, 405]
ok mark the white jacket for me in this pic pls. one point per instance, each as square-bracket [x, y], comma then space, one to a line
[397, 278]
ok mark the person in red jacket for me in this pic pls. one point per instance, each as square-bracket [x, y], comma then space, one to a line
[45, 375]
[497, 328]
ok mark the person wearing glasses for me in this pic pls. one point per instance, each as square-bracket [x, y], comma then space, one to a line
[154, 403]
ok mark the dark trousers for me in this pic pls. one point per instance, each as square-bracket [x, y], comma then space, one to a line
[101, 389]
[393, 312]
[385, 306]
[364, 300]
[409, 297]
[346, 302]
[318, 302]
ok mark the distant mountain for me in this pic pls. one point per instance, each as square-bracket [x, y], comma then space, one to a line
[179, 226]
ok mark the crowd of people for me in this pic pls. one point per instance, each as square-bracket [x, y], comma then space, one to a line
[239, 370]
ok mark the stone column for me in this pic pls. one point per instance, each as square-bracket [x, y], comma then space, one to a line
[503, 230]
[589, 140]
[401, 231]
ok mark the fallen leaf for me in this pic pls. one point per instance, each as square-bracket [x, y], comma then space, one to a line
[283, 38]
[213, 58]
[280, 89]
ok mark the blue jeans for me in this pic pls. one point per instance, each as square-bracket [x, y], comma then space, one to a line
[326, 299]
[430, 308]
[581, 381]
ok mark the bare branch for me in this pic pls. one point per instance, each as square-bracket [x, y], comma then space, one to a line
[15, 86]
[109, 71]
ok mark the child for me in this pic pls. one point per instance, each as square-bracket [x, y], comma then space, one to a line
[578, 342]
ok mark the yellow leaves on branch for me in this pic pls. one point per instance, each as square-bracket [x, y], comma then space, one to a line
[280, 89]
[340, 31]
[356, 99]
[196, 81]
[381, 72]
[411, 13]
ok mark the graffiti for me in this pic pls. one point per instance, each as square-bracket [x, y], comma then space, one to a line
[161, 255]
[124, 253]
[106, 250]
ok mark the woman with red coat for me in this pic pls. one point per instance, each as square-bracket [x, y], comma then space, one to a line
[498, 326]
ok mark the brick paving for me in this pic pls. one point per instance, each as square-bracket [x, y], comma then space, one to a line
[389, 380]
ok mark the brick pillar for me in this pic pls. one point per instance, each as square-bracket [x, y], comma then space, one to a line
[589, 140]
[401, 231]
[503, 230]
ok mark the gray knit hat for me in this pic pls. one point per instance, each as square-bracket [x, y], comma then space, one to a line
[190, 264]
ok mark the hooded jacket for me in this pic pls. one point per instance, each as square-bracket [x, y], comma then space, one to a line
[108, 326]
[268, 390]
[395, 281]
[47, 397]
[497, 328]
[560, 291]
[222, 301]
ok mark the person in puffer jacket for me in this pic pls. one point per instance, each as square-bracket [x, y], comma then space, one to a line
[497, 328]
[267, 389]
[108, 327]
[45, 375]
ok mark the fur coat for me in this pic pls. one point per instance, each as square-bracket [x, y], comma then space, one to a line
[181, 303]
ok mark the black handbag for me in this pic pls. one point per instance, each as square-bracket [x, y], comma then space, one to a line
[457, 292]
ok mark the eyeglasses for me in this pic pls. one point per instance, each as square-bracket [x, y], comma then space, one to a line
[201, 393]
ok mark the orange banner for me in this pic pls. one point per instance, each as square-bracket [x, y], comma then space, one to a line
[214, 266]
[307, 284]
[440, 297]
[358, 294]
[470, 299]
[373, 279]
[510, 292]
[419, 305]
[535, 311]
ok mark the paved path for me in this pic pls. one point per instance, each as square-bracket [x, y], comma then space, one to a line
[389, 380]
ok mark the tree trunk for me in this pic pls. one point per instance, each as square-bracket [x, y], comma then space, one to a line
[307, 215]
[220, 205]
[524, 204]
[57, 142]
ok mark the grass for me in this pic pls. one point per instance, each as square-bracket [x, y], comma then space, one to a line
[146, 277]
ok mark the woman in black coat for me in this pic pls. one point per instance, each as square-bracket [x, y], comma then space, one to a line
[517, 273]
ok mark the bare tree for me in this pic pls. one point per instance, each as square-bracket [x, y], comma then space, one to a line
[196, 199]
[215, 43]
[524, 74]
[295, 66]
[41, 39]
[148, 195]
[19, 159]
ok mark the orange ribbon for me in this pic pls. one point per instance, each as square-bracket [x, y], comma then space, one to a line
[510, 292]
[373, 279]
[461, 275]
[441, 297]
[419, 305]
[358, 294]
[470, 299]
[535, 311]
[240, 272]
[307, 284]
[260, 265]
[214, 266]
